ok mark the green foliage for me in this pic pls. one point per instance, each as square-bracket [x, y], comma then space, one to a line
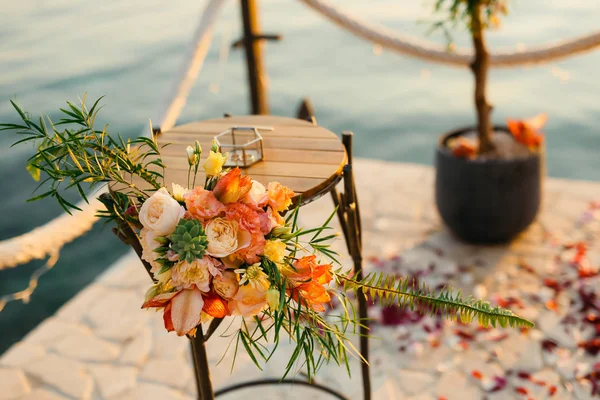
[189, 240]
[455, 12]
[320, 338]
[388, 289]
[72, 154]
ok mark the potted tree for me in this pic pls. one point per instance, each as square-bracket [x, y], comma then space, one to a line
[488, 178]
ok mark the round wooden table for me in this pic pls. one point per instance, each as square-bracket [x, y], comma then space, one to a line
[307, 158]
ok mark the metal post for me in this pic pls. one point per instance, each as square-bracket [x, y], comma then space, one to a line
[253, 45]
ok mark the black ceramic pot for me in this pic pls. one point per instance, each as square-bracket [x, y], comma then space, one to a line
[487, 201]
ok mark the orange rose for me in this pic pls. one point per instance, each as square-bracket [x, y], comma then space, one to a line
[202, 204]
[280, 197]
[232, 187]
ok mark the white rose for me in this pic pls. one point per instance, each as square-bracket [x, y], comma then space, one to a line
[225, 237]
[149, 243]
[161, 213]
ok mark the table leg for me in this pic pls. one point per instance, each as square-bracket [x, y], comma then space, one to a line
[201, 368]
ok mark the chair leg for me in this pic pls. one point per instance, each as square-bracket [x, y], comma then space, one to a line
[349, 216]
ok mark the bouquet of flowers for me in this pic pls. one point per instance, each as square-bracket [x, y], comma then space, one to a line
[224, 248]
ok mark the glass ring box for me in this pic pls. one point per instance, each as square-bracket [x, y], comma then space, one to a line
[243, 143]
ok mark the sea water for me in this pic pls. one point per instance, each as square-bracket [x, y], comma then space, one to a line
[131, 52]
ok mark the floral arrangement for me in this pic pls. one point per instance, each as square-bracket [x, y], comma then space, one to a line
[225, 248]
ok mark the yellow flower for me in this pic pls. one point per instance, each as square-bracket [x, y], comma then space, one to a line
[255, 277]
[273, 299]
[275, 250]
[214, 163]
[178, 192]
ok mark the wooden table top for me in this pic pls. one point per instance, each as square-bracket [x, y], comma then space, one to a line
[305, 157]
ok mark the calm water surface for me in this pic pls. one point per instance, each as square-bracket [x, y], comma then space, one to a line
[130, 51]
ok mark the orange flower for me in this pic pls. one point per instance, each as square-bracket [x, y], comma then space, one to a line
[527, 131]
[462, 147]
[202, 204]
[182, 310]
[307, 280]
[280, 197]
[215, 306]
[232, 187]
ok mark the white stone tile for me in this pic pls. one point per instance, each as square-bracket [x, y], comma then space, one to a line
[128, 272]
[86, 347]
[137, 350]
[113, 380]
[52, 330]
[414, 382]
[76, 308]
[117, 314]
[168, 345]
[173, 373]
[43, 394]
[13, 384]
[67, 376]
[21, 353]
[152, 391]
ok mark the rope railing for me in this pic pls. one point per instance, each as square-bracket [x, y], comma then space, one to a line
[48, 239]
[388, 39]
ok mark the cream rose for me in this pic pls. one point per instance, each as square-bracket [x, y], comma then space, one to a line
[161, 213]
[149, 243]
[195, 273]
[225, 237]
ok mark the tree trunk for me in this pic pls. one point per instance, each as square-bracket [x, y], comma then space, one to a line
[480, 70]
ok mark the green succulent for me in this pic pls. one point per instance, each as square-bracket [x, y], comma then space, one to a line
[189, 240]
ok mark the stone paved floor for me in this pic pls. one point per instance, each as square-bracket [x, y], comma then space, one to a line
[102, 346]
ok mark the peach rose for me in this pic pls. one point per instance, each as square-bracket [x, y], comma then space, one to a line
[161, 213]
[226, 285]
[225, 237]
[202, 204]
[232, 187]
[248, 301]
[280, 197]
[257, 196]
